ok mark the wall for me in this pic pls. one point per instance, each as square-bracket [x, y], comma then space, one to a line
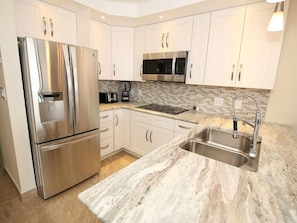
[14, 137]
[186, 95]
[282, 106]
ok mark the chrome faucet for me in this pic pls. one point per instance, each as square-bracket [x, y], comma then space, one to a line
[255, 125]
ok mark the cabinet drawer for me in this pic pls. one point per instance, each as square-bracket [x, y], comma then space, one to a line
[106, 116]
[106, 130]
[162, 122]
[106, 146]
[155, 120]
[182, 126]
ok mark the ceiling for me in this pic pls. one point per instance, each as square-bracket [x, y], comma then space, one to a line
[135, 8]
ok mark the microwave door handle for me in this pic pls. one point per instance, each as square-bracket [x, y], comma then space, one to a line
[173, 66]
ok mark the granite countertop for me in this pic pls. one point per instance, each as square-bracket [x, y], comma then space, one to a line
[174, 185]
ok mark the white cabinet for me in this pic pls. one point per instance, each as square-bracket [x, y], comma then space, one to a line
[122, 53]
[181, 127]
[240, 51]
[121, 129]
[138, 53]
[100, 39]
[148, 132]
[197, 56]
[43, 21]
[224, 46]
[174, 35]
[106, 133]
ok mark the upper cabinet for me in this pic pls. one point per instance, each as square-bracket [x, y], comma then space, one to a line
[241, 52]
[197, 56]
[138, 53]
[169, 36]
[100, 39]
[43, 21]
[122, 53]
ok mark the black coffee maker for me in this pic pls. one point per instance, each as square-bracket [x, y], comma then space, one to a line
[126, 91]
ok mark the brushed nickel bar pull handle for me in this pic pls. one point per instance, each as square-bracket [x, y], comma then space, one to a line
[232, 73]
[146, 135]
[163, 40]
[99, 68]
[191, 71]
[114, 73]
[52, 27]
[104, 130]
[44, 25]
[167, 36]
[117, 120]
[140, 70]
[104, 147]
[239, 74]
[106, 116]
[151, 136]
[184, 127]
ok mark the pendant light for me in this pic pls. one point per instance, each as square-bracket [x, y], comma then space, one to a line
[277, 19]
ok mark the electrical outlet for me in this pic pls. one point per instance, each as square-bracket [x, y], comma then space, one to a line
[139, 92]
[218, 101]
[238, 104]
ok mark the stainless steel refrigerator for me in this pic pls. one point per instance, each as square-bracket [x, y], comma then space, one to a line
[61, 93]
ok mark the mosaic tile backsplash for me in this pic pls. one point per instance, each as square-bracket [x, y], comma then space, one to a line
[182, 95]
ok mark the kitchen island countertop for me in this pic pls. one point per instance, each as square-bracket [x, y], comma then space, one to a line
[174, 185]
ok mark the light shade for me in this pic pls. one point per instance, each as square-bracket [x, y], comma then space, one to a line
[277, 20]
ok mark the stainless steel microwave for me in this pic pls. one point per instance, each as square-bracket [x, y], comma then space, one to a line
[166, 66]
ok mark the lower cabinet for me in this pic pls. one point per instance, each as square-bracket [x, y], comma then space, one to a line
[148, 132]
[106, 133]
[121, 129]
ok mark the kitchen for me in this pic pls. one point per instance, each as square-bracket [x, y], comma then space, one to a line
[280, 102]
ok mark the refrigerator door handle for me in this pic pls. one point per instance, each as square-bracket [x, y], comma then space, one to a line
[54, 146]
[75, 83]
[69, 80]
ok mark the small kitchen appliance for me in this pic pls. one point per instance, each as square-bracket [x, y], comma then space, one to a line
[108, 97]
[126, 91]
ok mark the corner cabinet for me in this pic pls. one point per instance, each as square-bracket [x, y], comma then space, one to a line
[43, 21]
[121, 129]
[241, 52]
[174, 35]
[122, 53]
[100, 39]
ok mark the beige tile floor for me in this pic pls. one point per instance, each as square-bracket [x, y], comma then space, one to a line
[64, 207]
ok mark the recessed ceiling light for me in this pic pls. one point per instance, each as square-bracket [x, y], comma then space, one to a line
[160, 17]
[102, 17]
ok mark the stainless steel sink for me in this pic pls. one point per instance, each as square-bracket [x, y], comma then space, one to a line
[219, 144]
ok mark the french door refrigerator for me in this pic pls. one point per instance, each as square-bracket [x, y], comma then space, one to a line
[61, 93]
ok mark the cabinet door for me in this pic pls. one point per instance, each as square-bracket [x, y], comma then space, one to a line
[140, 133]
[155, 38]
[260, 49]
[100, 39]
[138, 53]
[179, 35]
[118, 129]
[198, 52]
[122, 53]
[62, 25]
[159, 137]
[224, 46]
[30, 19]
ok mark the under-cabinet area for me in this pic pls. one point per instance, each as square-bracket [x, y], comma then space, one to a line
[136, 132]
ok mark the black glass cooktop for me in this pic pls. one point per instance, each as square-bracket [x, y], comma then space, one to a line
[164, 108]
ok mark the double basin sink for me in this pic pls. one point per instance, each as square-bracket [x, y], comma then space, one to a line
[218, 144]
